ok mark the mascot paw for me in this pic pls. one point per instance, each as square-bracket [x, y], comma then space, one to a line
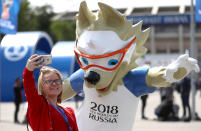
[180, 68]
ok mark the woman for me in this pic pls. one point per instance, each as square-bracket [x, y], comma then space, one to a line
[44, 113]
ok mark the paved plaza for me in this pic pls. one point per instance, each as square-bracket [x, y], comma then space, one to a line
[7, 114]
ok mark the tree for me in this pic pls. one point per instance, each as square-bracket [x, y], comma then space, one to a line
[27, 20]
[40, 19]
[44, 15]
[63, 30]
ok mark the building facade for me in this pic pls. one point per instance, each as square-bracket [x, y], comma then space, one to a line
[169, 23]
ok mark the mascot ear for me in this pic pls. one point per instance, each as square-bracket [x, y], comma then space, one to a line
[111, 17]
[84, 18]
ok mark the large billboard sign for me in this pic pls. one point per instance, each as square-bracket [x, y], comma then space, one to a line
[161, 19]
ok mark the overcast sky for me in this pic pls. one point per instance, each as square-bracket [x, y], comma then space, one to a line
[73, 5]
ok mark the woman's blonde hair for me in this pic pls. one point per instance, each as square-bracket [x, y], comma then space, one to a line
[43, 71]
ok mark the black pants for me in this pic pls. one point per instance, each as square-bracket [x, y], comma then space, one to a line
[17, 106]
[185, 104]
[144, 101]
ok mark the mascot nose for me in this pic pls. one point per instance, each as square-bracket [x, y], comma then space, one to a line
[92, 77]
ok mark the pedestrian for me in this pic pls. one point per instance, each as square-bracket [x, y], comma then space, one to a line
[76, 98]
[44, 112]
[167, 110]
[185, 87]
[166, 93]
[18, 86]
[144, 102]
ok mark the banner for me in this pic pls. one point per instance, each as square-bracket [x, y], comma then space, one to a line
[9, 16]
[161, 19]
[198, 11]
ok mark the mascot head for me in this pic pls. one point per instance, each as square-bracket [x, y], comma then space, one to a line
[107, 45]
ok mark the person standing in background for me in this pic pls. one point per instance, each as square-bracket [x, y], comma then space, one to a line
[185, 87]
[17, 97]
[144, 102]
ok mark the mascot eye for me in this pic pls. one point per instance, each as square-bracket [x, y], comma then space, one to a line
[113, 62]
[85, 60]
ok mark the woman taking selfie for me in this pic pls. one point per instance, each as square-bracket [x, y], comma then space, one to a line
[44, 113]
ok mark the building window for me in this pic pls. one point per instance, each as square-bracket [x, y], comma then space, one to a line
[174, 51]
[168, 10]
[188, 10]
[166, 28]
[160, 51]
[198, 28]
[141, 11]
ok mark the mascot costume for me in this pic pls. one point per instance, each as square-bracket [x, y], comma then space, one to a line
[107, 46]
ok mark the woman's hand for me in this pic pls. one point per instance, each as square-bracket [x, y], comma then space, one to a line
[34, 62]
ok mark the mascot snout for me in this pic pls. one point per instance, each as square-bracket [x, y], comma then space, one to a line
[92, 77]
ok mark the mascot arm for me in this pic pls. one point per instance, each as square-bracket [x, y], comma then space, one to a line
[155, 77]
[73, 85]
[68, 91]
[135, 82]
[177, 70]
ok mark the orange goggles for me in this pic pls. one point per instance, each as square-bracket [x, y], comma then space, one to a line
[109, 61]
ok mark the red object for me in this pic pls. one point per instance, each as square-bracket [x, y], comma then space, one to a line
[41, 115]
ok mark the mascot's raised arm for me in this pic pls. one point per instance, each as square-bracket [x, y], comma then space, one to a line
[106, 49]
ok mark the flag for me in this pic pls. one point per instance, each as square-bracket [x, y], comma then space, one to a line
[198, 11]
[9, 16]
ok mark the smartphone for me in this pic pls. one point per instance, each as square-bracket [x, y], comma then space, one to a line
[46, 59]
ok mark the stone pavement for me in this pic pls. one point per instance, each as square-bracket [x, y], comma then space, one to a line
[7, 113]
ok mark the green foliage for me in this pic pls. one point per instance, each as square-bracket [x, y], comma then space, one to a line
[63, 30]
[44, 15]
[40, 19]
[27, 20]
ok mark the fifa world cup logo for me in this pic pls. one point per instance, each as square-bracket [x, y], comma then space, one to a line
[7, 4]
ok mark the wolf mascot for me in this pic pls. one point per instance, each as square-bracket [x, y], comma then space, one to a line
[107, 46]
